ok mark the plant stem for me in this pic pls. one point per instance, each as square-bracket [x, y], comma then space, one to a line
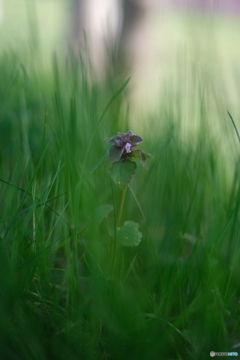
[120, 206]
[118, 220]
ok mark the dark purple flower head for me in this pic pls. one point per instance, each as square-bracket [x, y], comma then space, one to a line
[123, 147]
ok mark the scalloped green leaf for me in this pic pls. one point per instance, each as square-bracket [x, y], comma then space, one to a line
[122, 173]
[128, 234]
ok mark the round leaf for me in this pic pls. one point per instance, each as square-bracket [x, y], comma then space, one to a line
[128, 234]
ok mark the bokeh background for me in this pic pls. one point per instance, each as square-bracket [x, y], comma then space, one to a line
[169, 37]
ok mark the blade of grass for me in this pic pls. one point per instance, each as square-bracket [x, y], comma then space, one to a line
[26, 193]
[234, 125]
[37, 205]
[118, 92]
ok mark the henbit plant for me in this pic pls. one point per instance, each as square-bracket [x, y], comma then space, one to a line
[122, 152]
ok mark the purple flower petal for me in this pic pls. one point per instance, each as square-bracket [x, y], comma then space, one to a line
[127, 148]
[118, 142]
[122, 135]
[135, 139]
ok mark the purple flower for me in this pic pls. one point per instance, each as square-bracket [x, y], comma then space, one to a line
[123, 148]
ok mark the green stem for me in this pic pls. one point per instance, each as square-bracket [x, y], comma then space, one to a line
[120, 207]
[118, 220]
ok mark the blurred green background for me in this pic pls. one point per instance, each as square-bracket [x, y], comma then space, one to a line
[172, 39]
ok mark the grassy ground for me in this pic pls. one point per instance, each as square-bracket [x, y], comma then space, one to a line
[63, 295]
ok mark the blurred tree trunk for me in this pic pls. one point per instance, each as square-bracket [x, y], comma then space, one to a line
[77, 20]
[115, 32]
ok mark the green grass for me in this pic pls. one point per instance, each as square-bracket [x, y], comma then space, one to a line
[176, 295]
